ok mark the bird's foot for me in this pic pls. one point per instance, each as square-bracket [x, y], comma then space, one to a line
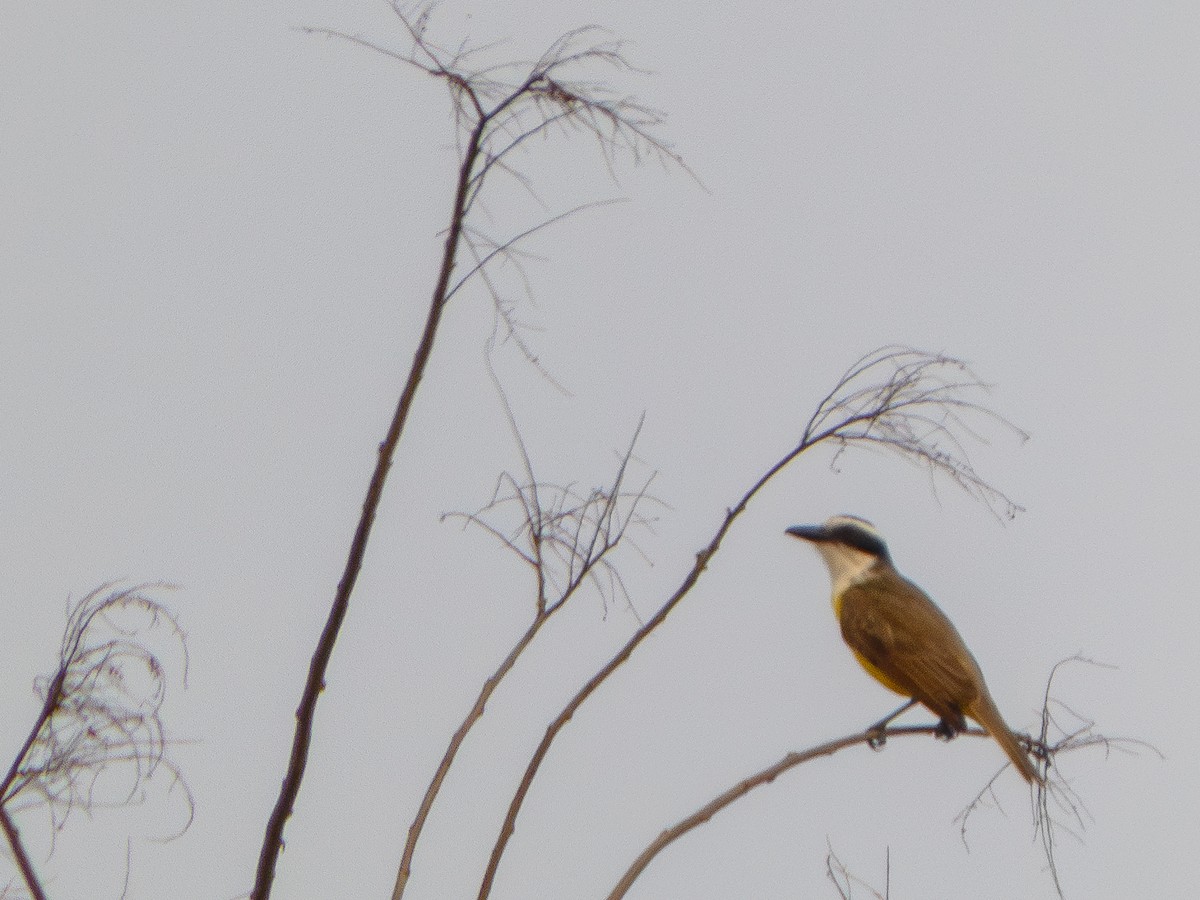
[877, 733]
[945, 730]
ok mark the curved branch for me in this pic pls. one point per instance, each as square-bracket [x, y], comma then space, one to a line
[746, 785]
[1078, 736]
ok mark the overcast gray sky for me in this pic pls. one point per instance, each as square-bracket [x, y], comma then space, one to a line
[217, 240]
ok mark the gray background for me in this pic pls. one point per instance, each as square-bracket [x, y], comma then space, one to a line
[217, 242]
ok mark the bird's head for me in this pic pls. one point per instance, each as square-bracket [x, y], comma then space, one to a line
[849, 545]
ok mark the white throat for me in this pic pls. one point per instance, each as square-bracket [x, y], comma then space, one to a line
[847, 565]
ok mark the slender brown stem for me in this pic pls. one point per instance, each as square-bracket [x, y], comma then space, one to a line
[489, 686]
[53, 696]
[290, 789]
[767, 775]
[19, 854]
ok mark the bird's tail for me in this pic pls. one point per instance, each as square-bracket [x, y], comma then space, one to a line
[984, 712]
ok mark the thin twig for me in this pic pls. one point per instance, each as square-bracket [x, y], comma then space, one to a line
[1057, 797]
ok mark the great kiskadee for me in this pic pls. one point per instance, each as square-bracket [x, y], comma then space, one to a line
[901, 637]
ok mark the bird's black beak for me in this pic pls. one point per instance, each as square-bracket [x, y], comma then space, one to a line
[809, 532]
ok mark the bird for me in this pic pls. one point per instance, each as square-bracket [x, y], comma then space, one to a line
[901, 637]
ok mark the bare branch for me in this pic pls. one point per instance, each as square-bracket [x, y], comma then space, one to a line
[746, 785]
[504, 248]
[505, 319]
[567, 535]
[1077, 736]
[323, 653]
[498, 109]
[22, 858]
[844, 880]
[1046, 825]
[912, 403]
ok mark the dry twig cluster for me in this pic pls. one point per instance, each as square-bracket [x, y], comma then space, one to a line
[98, 740]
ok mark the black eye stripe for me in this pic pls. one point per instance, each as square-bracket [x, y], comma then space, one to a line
[854, 536]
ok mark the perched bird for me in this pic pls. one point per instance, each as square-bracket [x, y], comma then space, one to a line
[901, 637]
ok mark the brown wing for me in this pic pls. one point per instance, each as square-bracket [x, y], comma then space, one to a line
[903, 634]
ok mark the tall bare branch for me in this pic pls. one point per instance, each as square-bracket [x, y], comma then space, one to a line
[306, 712]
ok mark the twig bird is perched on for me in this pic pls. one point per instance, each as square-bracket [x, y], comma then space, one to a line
[900, 636]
